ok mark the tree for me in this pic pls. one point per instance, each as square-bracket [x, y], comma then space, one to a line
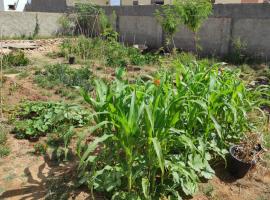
[193, 14]
[190, 13]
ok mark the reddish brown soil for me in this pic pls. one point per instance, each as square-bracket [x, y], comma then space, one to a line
[254, 186]
[25, 176]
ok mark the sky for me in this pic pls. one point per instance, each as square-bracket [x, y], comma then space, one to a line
[115, 2]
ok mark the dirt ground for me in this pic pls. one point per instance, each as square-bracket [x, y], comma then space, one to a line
[24, 176]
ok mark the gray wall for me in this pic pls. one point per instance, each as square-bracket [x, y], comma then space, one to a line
[2, 5]
[17, 24]
[137, 24]
[249, 22]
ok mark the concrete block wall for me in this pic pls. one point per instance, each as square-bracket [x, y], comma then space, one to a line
[18, 24]
[249, 22]
[138, 25]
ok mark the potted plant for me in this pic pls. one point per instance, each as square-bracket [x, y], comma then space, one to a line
[71, 59]
[244, 156]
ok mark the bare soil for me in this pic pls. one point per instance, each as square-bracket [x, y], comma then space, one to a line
[24, 176]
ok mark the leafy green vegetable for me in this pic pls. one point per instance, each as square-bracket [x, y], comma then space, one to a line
[39, 118]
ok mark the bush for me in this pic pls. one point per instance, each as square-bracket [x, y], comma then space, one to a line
[156, 139]
[116, 54]
[15, 58]
[238, 54]
[4, 150]
[66, 25]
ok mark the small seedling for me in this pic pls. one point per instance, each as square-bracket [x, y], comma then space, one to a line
[208, 190]
[40, 149]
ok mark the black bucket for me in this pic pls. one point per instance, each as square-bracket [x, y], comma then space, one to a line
[71, 60]
[236, 167]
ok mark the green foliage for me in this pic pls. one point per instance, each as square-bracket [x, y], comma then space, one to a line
[208, 190]
[66, 25]
[4, 150]
[115, 54]
[40, 148]
[185, 12]
[54, 54]
[169, 21]
[92, 21]
[60, 141]
[64, 75]
[238, 54]
[156, 138]
[193, 13]
[15, 58]
[39, 118]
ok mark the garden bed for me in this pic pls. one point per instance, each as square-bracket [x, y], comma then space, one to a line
[39, 176]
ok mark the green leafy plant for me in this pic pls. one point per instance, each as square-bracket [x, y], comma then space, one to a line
[39, 118]
[156, 139]
[238, 54]
[64, 75]
[193, 14]
[15, 58]
[183, 12]
[66, 25]
[61, 140]
[40, 149]
[92, 21]
[4, 150]
[115, 54]
[168, 17]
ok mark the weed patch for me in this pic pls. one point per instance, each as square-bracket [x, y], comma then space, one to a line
[4, 150]
[55, 75]
[15, 59]
[115, 54]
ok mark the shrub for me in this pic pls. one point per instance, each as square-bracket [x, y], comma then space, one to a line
[4, 150]
[155, 139]
[66, 25]
[15, 58]
[115, 54]
[189, 13]
[238, 54]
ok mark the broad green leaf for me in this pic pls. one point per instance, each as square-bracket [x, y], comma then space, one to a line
[146, 188]
[159, 154]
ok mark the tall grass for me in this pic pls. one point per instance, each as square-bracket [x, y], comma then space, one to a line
[156, 138]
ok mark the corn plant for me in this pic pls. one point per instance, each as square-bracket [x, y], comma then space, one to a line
[155, 139]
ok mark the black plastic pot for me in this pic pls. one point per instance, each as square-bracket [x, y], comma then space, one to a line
[236, 167]
[71, 60]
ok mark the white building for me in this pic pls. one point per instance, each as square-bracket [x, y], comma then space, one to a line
[13, 5]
